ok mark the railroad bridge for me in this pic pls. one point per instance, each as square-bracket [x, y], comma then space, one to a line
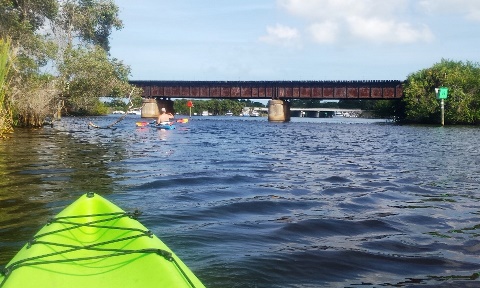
[158, 94]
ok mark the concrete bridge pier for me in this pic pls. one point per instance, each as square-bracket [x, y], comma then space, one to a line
[151, 107]
[278, 111]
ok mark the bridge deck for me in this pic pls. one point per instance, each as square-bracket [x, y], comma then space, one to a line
[377, 89]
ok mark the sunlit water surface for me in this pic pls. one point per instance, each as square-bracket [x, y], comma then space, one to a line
[247, 203]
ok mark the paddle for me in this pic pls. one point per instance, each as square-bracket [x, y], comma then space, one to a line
[144, 123]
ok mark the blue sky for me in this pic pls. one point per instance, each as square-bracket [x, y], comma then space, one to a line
[293, 39]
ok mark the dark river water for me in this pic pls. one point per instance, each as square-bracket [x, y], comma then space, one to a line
[247, 203]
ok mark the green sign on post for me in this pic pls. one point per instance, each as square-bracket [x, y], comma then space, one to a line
[442, 93]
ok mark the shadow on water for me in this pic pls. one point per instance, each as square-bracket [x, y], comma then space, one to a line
[42, 171]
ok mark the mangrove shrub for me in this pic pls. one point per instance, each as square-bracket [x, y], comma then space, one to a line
[5, 64]
[463, 104]
[62, 57]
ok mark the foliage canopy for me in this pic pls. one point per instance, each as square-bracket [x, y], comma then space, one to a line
[463, 104]
[5, 65]
[72, 38]
[214, 106]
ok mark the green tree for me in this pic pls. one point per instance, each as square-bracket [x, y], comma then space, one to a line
[357, 104]
[17, 17]
[387, 109]
[70, 34]
[214, 106]
[82, 85]
[6, 57]
[250, 103]
[117, 104]
[306, 103]
[87, 21]
[33, 99]
[82, 29]
[21, 21]
[461, 107]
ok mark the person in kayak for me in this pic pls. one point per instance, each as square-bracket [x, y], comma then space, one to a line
[164, 117]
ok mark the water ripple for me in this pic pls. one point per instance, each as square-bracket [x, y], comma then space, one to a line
[247, 203]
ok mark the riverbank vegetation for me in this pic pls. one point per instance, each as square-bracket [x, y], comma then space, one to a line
[58, 59]
[420, 104]
[376, 108]
[54, 60]
[5, 65]
[462, 107]
[214, 106]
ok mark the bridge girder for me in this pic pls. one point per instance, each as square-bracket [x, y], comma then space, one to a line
[333, 90]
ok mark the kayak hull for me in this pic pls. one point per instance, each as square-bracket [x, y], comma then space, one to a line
[94, 243]
[161, 126]
[165, 126]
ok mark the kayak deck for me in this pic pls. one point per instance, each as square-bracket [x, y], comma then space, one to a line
[94, 243]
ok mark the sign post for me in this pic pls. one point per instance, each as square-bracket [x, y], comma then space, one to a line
[442, 94]
[190, 105]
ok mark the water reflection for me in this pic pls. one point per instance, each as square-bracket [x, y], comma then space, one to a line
[163, 134]
[41, 171]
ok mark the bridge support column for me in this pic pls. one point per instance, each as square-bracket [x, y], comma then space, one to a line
[278, 111]
[151, 107]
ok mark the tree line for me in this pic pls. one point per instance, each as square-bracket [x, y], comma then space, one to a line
[462, 107]
[214, 106]
[54, 57]
[420, 104]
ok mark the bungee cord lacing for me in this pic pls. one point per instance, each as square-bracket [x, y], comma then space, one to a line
[109, 252]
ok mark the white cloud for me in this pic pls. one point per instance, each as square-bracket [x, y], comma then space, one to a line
[280, 34]
[470, 9]
[338, 9]
[389, 31]
[377, 21]
[325, 32]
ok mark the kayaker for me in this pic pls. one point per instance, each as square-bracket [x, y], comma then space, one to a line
[164, 117]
